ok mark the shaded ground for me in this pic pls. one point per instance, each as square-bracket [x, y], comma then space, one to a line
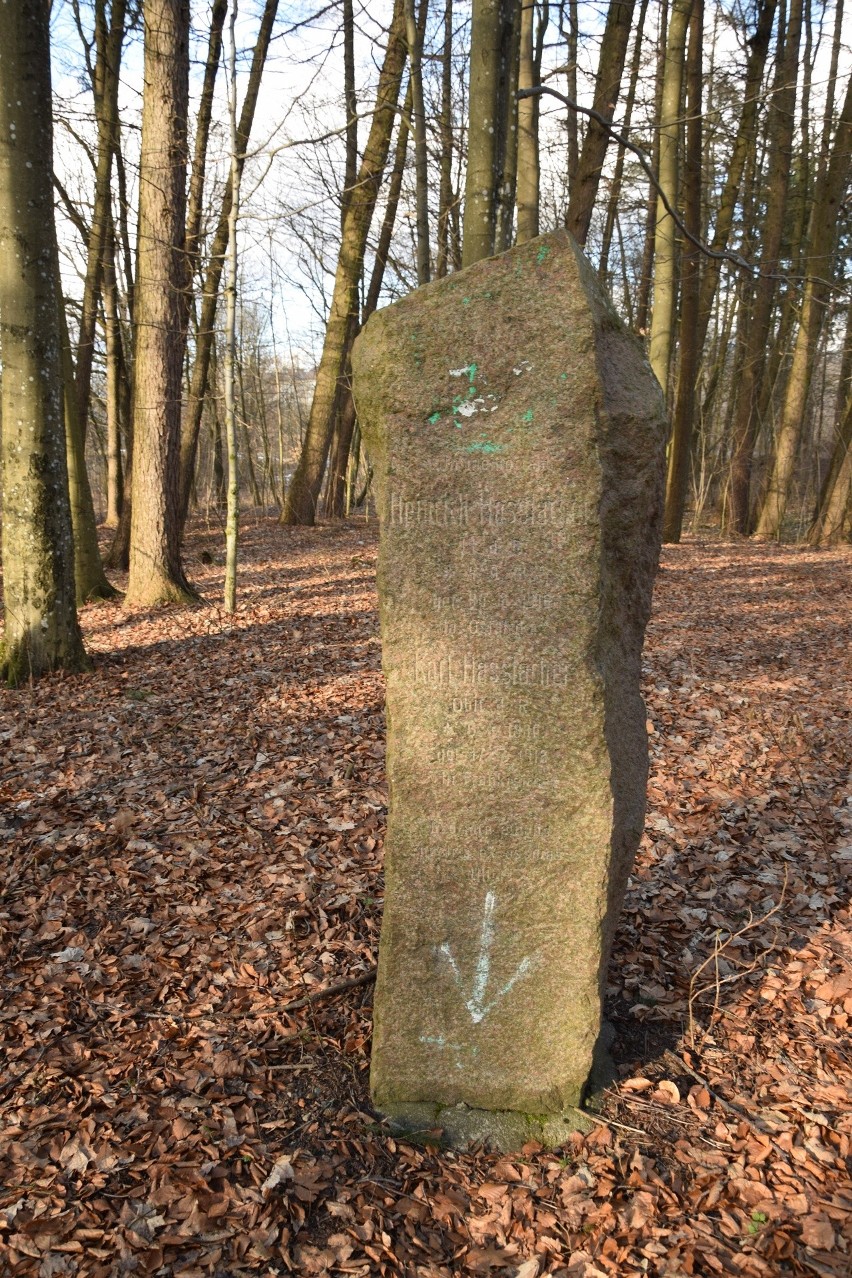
[192, 841]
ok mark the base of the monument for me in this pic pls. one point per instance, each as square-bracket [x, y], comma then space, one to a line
[506, 1130]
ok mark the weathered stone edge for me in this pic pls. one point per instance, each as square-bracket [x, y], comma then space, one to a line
[459, 1126]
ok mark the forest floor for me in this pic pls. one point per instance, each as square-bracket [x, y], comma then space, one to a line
[192, 840]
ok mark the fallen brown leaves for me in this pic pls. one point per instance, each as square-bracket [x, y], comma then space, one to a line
[192, 842]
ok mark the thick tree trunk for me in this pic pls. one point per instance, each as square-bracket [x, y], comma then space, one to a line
[41, 629]
[665, 237]
[584, 189]
[680, 448]
[156, 574]
[300, 503]
[820, 268]
[212, 279]
[529, 168]
[489, 127]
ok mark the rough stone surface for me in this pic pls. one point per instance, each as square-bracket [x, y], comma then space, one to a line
[517, 438]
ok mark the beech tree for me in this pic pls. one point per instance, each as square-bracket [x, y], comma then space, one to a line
[156, 573]
[41, 629]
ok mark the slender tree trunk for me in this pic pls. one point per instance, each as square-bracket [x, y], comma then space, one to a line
[680, 449]
[414, 37]
[618, 175]
[572, 123]
[528, 156]
[744, 145]
[820, 268]
[210, 293]
[833, 522]
[757, 319]
[109, 37]
[232, 519]
[89, 577]
[41, 628]
[643, 297]
[446, 195]
[156, 573]
[344, 434]
[112, 334]
[665, 238]
[351, 99]
[584, 188]
[195, 198]
[300, 502]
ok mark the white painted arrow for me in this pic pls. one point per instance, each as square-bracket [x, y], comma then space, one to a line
[476, 1004]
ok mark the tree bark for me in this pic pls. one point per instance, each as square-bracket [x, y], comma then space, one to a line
[618, 175]
[665, 238]
[109, 37]
[528, 154]
[643, 296]
[414, 38]
[680, 447]
[156, 573]
[232, 519]
[757, 319]
[486, 141]
[300, 503]
[212, 279]
[41, 628]
[446, 196]
[114, 370]
[89, 577]
[820, 268]
[584, 188]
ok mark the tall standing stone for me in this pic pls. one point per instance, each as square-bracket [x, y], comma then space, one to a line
[517, 436]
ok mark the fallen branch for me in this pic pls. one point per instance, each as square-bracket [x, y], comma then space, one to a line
[351, 983]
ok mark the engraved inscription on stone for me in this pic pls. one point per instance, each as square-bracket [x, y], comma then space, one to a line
[516, 435]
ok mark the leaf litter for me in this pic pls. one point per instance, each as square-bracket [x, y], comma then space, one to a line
[192, 840]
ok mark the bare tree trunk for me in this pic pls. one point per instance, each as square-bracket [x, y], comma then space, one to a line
[41, 628]
[112, 333]
[156, 573]
[757, 319]
[584, 188]
[300, 502]
[528, 156]
[643, 298]
[508, 136]
[820, 268]
[618, 175]
[489, 125]
[833, 522]
[109, 37]
[89, 578]
[414, 37]
[572, 123]
[680, 448]
[232, 519]
[350, 97]
[446, 195]
[210, 293]
[665, 239]
[744, 145]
